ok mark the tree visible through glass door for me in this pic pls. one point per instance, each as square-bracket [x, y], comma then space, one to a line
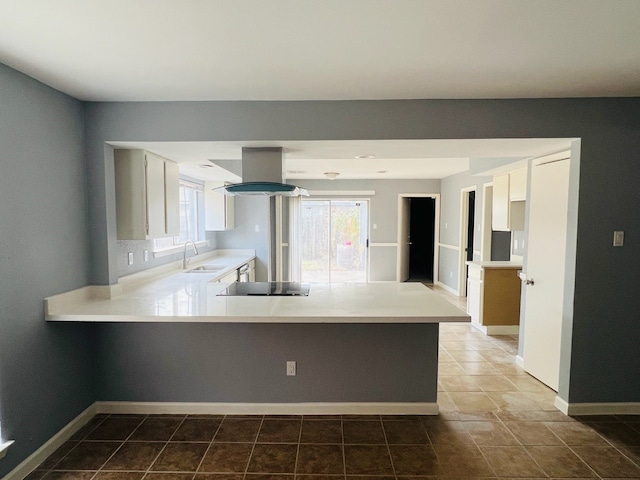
[334, 241]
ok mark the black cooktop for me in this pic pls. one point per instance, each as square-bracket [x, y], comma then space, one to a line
[239, 289]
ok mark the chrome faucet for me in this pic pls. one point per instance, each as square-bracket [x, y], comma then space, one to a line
[185, 260]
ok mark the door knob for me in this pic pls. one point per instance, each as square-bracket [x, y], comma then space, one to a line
[525, 280]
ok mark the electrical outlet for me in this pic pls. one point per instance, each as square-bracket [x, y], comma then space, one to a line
[145, 254]
[375, 226]
[618, 238]
[257, 228]
[291, 369]
[130, 258]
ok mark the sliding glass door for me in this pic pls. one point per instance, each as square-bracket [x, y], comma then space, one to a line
[333, 241]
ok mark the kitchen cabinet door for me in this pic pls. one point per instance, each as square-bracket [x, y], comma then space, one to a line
[147, 203]
[172, 198]
[500, 210]
[218, 207]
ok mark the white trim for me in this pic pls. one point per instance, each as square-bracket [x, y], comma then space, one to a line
[497, 329]
[609, 408]
[462, 241]
[333, 193]
[41, 454]
[311, 408]
[447, 288]
[163, 252]
[519, 361]
[485, 226]
[450, 247]
[436, 230]
[4, 447]
[382, 244]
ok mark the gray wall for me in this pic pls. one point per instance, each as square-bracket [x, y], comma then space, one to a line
[246, 363]
[249, 212]
[449, 271]
[603, 357]
[383, 212]
[45, 369]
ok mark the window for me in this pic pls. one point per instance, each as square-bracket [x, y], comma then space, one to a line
[191, 217]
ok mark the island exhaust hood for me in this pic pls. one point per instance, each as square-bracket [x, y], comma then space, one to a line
[269, 189]
[262, 174]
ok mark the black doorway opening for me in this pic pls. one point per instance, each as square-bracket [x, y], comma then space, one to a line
[421, 233]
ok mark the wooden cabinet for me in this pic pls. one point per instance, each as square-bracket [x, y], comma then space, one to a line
[509, 195]
[493, 298]
[218, 208]
[147, 195]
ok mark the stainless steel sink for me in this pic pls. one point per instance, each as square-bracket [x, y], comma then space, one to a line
[207, 269]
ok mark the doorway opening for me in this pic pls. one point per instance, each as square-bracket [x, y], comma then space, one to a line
[421, 248]
[334, 236]
[467, 233]
[417, 238]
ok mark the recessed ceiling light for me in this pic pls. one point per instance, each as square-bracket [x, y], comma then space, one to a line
[382, 171]
[205, 166]
[331, 175]
[365, 156]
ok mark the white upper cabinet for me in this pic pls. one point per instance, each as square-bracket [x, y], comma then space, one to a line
[518, 185]
[509, 195]
[147, 203]
[500, 212]
[218, 208]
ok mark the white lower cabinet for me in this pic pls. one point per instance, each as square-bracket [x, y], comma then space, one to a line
[230, 277]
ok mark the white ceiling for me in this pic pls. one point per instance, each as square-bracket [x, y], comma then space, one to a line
[132, 50]
[400, 159]
[152, 50]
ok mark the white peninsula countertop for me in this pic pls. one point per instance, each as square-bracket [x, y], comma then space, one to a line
[193, 297]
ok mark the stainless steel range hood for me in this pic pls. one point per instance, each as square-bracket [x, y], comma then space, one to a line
[262, 174]
[269, 189]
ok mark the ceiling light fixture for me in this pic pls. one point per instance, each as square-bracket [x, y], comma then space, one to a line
[331, 175]
[364, 156]
[382, 171]
[205, 166]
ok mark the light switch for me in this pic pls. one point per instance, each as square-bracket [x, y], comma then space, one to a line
[618, 238]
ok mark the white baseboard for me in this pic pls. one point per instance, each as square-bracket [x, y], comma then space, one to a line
[328, 408]
[447, 288]
[51, 445]
[519, 361]
[613, 408]
[496, 329]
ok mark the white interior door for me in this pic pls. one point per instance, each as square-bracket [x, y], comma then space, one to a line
[404, 240]
[546, 268]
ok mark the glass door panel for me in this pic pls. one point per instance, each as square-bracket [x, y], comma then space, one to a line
[348, 241]
[314, 241]
[334, 241]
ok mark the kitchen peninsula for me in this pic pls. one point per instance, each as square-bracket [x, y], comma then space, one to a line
[359, 348]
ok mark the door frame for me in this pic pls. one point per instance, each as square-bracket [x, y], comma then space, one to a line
[402, 252]
[485, 228]
[464, 230]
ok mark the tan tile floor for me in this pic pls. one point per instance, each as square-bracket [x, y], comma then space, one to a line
[496, 422]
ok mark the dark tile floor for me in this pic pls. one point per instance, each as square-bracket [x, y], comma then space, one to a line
[495, 422]
[452, 445]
